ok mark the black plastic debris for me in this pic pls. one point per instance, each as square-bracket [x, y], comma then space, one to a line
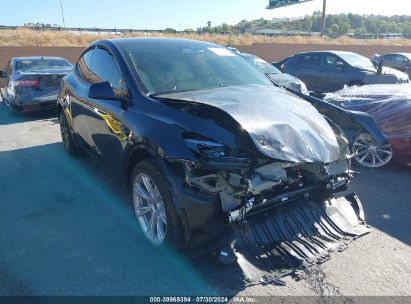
[288, 241]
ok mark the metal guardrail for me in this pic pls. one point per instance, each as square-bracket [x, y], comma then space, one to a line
[79, 29]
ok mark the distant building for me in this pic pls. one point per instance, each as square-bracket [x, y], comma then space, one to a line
[276, 33]
[391, 36]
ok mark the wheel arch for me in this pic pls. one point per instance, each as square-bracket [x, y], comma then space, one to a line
[139, 153]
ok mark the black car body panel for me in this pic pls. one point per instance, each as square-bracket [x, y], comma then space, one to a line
[329, 71]
[33, 83]
[204, 141]
[282, 126]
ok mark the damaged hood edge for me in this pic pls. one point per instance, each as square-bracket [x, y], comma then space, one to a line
[281, 125]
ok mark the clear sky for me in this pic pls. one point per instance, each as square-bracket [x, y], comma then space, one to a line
[179, 14]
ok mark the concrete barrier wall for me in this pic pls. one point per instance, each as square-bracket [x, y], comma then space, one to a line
[268, 51]
[6, 52]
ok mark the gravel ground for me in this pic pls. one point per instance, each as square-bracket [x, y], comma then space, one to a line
[67, 229]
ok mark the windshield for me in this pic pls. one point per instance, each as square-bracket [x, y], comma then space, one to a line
[189, 67]
[357, 61]
[42, 64]
[262, 65]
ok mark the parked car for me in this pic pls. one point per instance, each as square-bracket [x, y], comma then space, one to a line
[390, 105]
[32, 83]
[398, 61]
[330, 71]
[275, 75]
[206, 144]
[281, 64]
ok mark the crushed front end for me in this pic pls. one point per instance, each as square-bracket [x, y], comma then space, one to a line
[269, 166]
[282, 216]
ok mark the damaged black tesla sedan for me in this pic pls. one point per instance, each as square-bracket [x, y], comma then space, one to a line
[202, 139]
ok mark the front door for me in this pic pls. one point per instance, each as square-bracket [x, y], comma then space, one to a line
[104, 123]
[333, 73]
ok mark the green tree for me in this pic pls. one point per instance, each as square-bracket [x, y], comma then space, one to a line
[344, 27]
[334, 30]
[308, 23]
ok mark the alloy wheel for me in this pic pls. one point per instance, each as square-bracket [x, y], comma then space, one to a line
[149, 209]
[368, 154]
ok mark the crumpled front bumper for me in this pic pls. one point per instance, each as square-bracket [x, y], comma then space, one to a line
[299, 235]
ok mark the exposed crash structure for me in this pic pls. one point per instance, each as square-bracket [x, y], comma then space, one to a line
[280, 201]
[212, 150]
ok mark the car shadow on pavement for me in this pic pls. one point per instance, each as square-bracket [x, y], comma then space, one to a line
[386, 196]
[7, 118]
[69, 229]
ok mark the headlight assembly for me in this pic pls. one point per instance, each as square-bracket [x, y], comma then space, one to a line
[213, 152]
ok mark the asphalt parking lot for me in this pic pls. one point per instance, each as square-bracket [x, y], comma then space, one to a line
[67, 228]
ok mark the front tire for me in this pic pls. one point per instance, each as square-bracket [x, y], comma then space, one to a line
[67, 137]
[153, 206]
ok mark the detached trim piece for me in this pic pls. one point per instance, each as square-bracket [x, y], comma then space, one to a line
[300, 235]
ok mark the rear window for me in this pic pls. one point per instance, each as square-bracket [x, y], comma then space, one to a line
[42, 64]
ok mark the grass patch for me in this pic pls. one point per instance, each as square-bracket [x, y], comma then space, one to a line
[25, 37]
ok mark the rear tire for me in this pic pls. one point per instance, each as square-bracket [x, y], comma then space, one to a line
[159, 207]
[67, 137]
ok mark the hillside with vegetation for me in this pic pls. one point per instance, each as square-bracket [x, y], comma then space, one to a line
[344, 29]
[335, 25]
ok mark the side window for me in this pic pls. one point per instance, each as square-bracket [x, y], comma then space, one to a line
[329, 61]
[105, 69]
[399, 58]
[311, 60]
[84, 65]
[388, 57]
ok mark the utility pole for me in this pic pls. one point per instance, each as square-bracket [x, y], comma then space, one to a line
[62, 13]
[323, 18]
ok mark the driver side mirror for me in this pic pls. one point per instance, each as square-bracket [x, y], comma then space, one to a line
[104, 90]
[339, 65]
[3, 74]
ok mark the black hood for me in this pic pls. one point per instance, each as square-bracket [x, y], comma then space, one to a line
[281, 125]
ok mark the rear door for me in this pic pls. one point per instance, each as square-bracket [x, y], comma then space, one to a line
[388, 60]
[306, 68]
[332, 72]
